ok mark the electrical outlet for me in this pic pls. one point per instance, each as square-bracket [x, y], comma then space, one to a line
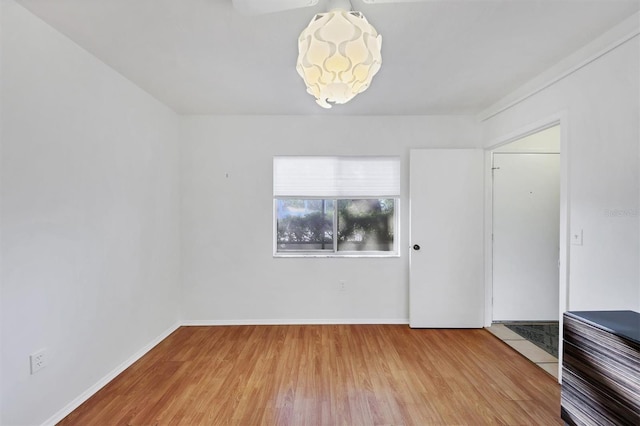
[342, 286]
[38, 360]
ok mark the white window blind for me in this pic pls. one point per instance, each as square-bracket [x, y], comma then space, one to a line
[336, 177]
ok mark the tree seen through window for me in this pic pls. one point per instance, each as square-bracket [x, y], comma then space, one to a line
[361, 225]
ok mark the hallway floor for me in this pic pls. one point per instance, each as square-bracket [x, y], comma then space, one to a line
[543, 334]
[541, 358]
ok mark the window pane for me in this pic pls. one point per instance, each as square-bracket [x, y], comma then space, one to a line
[365, 225]
[305, 224]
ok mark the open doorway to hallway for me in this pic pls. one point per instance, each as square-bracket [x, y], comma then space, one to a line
[525, 245]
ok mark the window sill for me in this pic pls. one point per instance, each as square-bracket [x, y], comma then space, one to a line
[334, 255]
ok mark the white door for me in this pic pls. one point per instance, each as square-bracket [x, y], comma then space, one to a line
[526, 236]
[446, 208]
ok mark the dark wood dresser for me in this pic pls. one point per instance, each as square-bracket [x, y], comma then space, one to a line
[601, 368]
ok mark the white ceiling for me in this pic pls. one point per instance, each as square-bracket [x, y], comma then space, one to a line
[439, 56]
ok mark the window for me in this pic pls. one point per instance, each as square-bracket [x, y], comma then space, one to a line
[304, 225]
[336, 206]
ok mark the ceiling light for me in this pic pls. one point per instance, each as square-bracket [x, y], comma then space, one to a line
[339, 53]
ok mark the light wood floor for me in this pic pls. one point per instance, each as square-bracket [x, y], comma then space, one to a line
[326, 375]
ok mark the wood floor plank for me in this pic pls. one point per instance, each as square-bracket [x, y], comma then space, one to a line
[326, 375]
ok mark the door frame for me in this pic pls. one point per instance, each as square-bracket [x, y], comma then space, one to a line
[564, 288]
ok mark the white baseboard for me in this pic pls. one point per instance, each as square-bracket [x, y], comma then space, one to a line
[350, 321]
[106, 379]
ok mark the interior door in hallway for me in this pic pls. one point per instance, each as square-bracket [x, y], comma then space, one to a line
[446, 262]
[526, 235]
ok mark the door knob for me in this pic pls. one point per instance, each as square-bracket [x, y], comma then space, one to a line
[416, 247]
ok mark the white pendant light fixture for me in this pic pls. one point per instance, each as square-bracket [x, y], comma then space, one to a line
[339, 53]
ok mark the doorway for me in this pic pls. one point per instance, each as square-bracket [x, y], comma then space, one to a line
[526, 237]
[526, 222]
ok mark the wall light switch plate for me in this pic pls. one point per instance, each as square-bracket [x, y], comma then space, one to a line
[576, 237]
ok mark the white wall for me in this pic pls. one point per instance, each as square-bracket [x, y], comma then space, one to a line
[600, 104]
[90, 218]
[229, 273]
[525, 216]
[547, 140]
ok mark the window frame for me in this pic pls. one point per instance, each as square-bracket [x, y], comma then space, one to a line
[335, 252]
